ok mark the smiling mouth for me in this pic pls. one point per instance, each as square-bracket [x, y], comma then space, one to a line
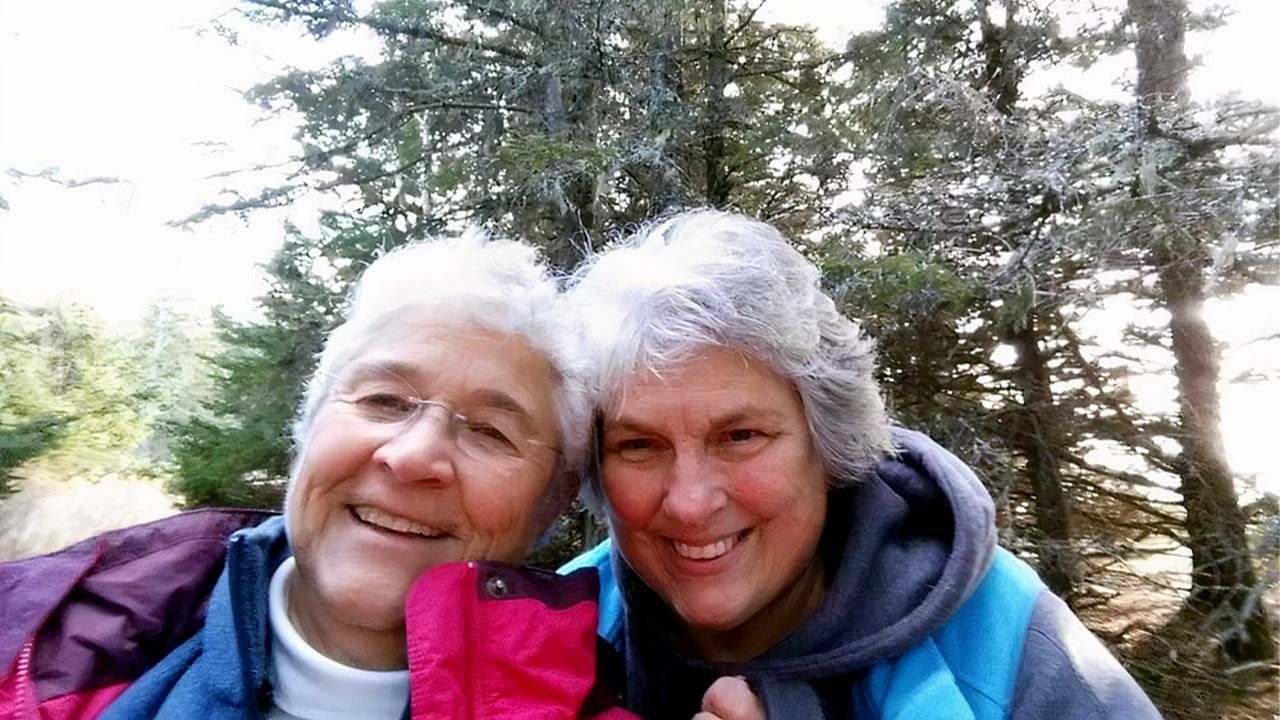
[386, 522]
[709, 551]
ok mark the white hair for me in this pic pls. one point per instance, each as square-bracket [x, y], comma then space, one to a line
[496, 285]
[710, 278]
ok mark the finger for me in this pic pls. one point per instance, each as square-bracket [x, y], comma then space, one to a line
[704, 715]
[731, 698]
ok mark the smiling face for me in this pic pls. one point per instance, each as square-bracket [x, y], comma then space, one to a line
[717, 497]
[378, 498]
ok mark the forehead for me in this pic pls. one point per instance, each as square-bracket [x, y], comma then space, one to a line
[712, 380]
[463, 361]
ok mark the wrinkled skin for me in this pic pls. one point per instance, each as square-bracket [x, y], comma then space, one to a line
[717, 498]
[347, 598]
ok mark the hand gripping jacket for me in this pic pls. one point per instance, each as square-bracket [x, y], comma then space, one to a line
[150, 621]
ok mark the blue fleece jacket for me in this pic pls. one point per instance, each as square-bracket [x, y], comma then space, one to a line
[924, 618]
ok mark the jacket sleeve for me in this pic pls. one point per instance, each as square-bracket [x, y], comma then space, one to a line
[1067, 673]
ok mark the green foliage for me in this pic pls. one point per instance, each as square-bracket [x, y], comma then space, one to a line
[66, 402]
[241, 455]
[236, 450]
[530, 154]
[921, 312]
[574, 531]
[172, 380]
[560, 120]
[901, 285]
[1016, 307]
[22, 442]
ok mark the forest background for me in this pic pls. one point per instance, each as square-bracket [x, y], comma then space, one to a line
[1063, 281]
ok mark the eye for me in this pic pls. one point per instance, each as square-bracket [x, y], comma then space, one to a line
[386, 407]
[742, 440]
[485, 433]
[634, 449]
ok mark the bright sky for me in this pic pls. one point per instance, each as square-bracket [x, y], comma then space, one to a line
[133, 89]
[141, 90]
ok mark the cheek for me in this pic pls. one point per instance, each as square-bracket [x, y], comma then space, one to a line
[633, 499]
[337, 449]
[793, 492]
[504, 509]
[333, 456]
[803, 522]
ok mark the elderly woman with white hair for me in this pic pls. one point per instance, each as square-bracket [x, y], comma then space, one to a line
[778, 549]
[439, 437]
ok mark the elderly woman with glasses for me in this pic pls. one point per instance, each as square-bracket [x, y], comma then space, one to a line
[435, 444]
[770, 526]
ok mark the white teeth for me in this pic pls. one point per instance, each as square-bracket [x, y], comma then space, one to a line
[710, 551]
[387, 521]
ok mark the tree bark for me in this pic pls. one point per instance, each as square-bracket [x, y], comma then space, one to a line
[1037, 436]
[1002, 74]
[664, 187]
[1223, 578]
[570, 111]
[715, 114]
[1037, 441]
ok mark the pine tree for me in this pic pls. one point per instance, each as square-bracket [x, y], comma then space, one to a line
[31, 421]
[559, 121]
[237, 451]
[1179, 242]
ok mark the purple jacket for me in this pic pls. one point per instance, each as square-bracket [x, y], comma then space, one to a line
[79, 625]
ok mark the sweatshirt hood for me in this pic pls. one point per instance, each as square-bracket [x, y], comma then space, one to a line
[912, 542]
[904, 548]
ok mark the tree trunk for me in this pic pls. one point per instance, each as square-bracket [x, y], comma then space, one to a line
[715, 114]
[664, 187]
[1223, 578]
[1002, 74]
[1037, 437]
[1037, 440]
[1161, 55]
[571, 113]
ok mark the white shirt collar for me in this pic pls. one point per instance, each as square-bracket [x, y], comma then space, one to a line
[309, 685]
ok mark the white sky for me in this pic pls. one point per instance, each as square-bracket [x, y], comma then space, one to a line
[130, 89]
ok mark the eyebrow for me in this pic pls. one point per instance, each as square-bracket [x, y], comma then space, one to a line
[381, 370]
[750, 413]
[746, 413]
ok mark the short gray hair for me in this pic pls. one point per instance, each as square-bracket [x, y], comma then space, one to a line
[497, 285]
[711, 278]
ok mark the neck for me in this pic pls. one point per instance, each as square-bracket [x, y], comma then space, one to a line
[772, 623]
[352, 645]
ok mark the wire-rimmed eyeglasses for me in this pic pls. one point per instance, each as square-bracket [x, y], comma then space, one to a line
[482, 433]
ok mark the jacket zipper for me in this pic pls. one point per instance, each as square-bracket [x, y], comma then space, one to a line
[23, 686]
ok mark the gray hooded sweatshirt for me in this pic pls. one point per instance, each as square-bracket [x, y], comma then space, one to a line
[905, 549]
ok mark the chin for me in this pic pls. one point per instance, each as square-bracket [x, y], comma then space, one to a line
[383, 615]
[711, 617]
[372, 602]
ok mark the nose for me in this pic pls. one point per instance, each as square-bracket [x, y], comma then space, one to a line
[422, 451]
[695, 490]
